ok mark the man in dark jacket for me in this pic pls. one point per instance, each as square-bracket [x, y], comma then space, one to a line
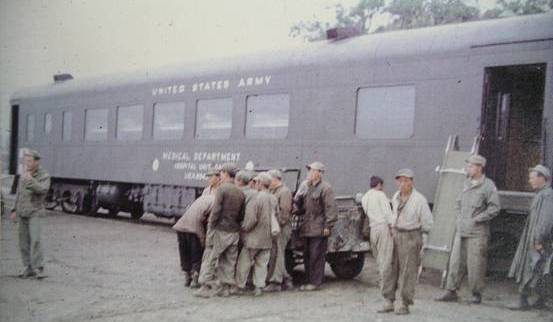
[224, 225]
[531, 267]
[319, 214]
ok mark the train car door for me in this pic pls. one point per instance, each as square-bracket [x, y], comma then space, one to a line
[14, 140]
[512, 126]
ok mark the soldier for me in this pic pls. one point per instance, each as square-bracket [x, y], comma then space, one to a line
[191, 232]
[257, 238]
[533, 259]
[278, 276]
[223, 234]
[318, 209]
[478, 204]
[243, 180]
[29, 207]
[377, 208]
[411, 222]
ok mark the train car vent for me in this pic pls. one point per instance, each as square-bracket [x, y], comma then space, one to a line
[58, 78]
[343, 32]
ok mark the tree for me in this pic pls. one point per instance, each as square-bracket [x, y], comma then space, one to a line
[506, 8]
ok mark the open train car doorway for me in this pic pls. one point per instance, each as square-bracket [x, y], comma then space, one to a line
[14, 140]
[513, 124]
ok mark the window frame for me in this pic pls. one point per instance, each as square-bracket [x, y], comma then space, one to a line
[117, 118]
[280, 93]
[197, 101]
[108, 112]
[184, 104]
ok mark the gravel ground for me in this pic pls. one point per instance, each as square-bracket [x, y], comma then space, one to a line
[102, 269]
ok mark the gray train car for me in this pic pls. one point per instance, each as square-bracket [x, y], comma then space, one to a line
[365, 105]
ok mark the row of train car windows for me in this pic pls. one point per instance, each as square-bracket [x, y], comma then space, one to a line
[381, 113]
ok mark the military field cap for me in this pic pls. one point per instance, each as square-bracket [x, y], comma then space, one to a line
[244, 176]
[275, 173]
[33, 153]
[316, 166]
[230, 168]
[212, 171]
[263, 178]
[543, 170]
[477, 159]
[407, 173]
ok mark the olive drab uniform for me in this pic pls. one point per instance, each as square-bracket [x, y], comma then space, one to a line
[478, 204]
[277, 267]
[29, 207]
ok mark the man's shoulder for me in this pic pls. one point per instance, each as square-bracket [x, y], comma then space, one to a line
[419, 196]
[42, 173]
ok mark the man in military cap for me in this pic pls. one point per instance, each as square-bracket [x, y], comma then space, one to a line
[532, 264]
[243, 180]
[29, 209]
[319, 212]
[411, 222]
[277, 269]
[223, 235]
[257, 239]
[477, 204]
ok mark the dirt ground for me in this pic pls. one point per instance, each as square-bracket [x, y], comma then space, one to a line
[102, 269]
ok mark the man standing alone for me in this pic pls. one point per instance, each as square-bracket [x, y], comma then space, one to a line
[29, 207]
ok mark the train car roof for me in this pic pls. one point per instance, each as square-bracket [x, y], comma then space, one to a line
[378, 46]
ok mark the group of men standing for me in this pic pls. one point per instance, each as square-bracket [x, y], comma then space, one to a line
[399, 228]
[247, 228]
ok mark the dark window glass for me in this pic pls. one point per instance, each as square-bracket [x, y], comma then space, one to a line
[385, 112]
[130, 121]
[96, 125]
[267, 116]
[214, 119]
[168, 120]
[67, 126]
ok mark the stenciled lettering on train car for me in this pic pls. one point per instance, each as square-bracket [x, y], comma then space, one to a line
[194, 164]
[212, 85]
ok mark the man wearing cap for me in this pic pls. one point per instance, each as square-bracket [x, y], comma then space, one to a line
[277, 268]
[224, 224]
[477, 204]
[411, 222]
[191, 232]
[379, 213]
[243, 181]
[257, 239]
[29, 208]
[531, 267]
[319, 212]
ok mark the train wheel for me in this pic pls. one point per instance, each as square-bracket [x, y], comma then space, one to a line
[347, 267]
[70, 203]
[291, 260]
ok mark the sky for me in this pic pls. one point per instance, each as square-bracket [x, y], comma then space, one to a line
[40, 38]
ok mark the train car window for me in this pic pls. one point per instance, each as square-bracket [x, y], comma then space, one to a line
[214, 118]
[267, 116]
[30, 128]
[130, 122]
[67, 126]
[47, 123]
[168, 120]
[385, 112]
[96, 125]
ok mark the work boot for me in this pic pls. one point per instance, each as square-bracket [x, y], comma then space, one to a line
[204, 292]
[448, 296]
[272, 287]
[309, 287]
[194, 282]
[521, 304]
[387, 307]
[27, 273]
[476, 298]
[187, 279]
[258, 291]
[224, 291]
[288, 284]
[40, 273]
[402, 309]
